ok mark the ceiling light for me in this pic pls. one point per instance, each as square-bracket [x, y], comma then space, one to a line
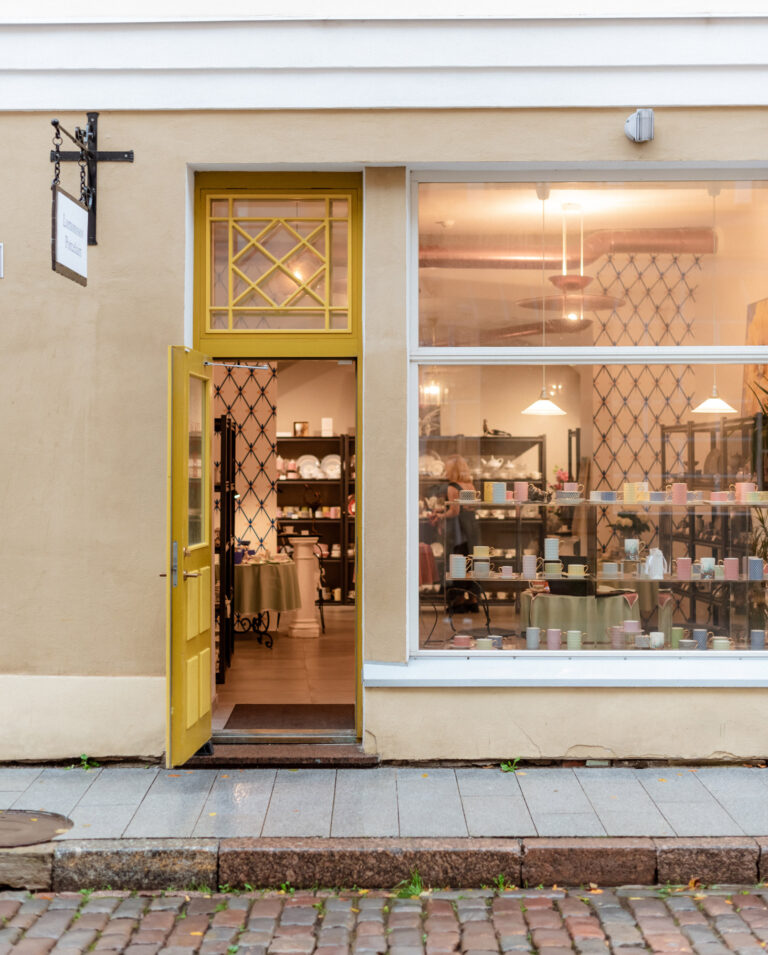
[543, 406]
[714, 404]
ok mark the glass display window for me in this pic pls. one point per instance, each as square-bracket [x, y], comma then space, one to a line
[592, 400]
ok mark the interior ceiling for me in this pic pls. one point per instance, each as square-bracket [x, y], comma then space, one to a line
[481, 246]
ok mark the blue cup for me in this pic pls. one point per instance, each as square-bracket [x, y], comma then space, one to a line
[757, 639]
[700, 636]
[608, 495]
[754, 568]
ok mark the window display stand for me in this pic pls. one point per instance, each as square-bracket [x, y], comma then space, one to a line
[713, 455]
[306, 496]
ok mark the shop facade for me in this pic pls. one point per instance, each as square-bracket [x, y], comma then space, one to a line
[466, 199]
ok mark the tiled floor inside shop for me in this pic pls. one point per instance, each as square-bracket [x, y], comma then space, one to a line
[304, 670]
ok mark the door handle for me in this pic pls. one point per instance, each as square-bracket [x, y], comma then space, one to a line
[188, 574]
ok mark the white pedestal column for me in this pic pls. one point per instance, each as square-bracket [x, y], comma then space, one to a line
[306, 622]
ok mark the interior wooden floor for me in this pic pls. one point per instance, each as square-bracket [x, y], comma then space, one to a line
[318, 670]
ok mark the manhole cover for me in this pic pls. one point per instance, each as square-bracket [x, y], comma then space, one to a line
[25, 827]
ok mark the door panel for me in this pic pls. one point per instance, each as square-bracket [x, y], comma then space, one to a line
[190, 488]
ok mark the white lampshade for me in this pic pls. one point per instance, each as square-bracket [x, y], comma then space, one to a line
[543, 406]
[714, 405]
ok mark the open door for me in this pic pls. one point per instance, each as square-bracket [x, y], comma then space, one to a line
[189, 663]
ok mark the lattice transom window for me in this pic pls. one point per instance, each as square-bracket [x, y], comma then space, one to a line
[278, 263]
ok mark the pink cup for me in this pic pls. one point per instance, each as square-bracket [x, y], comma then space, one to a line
[742, 488]
[731, 568]
[521, 490]
[632, 626]
[719, 496]
[683, 566]
[554, 638]
[618, 639]
[678, 493]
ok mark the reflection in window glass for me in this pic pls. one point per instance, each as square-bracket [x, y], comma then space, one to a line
[626, 518]
[599, 263]
[196, 462]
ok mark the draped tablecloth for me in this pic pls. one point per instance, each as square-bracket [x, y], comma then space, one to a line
[591, 615]
[260, 587]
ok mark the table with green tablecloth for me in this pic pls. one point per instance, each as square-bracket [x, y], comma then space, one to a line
[261, 587]
[592, 615]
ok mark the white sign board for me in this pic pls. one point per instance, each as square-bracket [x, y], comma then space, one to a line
[70, 237]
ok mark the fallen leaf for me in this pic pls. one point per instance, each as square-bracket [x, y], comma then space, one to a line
[593, 885]
[424, 775]
[173, 775]
[61, 830]
[33, 819]
[195, 933]
[357, 910]
[363, 891]
[555, 887]
[225, 775]
[701, 895]
[694, 883]
[728, 902]
[661, 779]
[520, 773]
[211, 813]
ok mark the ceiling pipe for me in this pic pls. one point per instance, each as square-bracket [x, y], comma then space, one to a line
[693, 241]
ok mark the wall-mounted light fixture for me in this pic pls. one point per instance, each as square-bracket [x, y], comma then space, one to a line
[639, 126]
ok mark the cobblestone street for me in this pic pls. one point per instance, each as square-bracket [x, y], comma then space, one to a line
[587, 921]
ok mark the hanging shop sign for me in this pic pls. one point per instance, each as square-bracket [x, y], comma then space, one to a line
[69, 241]
[73, 220]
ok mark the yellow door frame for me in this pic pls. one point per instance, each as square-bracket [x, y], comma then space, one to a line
[275, 345]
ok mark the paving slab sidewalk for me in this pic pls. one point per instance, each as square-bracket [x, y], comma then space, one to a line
[396, 802]
[627, 921]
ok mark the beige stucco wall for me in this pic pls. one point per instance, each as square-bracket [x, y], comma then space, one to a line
[565, 723]
[83, 493]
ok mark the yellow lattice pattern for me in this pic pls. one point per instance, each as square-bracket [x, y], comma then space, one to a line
[278, 262]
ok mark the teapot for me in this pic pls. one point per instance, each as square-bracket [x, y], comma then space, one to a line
[655, 564]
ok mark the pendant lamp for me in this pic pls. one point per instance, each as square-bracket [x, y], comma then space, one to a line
[714, 404]
[543, 405]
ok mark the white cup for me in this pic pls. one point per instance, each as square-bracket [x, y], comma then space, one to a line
[458, 565]
[532, 635]
[507, 571]
[656, 639]
[529, 566]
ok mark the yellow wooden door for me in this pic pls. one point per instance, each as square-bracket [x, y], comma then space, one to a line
[190, 555]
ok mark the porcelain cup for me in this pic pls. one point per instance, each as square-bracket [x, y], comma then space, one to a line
[722, 643]
[676, 634]
[577, 570]
[701, 636]
[708, 566]
[521, 490]
[632, 626]
[596, 496]
[678, 492]
[532, 635]
[757, 639]
[554, 637]
[499, 493]
[719, 496]
[731, 568]
[481, 568]
[573, 639]
[551, 548]
[610, 569]
[657, 497]
[683, 568]
[630, 492]
[642, 641]
[553, 568]
[530, 565]
[483, 643]
[741, 489]
[573, 486]
[754, 568]
[632, 548]
[507, 571]
[458, 565]
[656, 638]
[468, 495]
[608, 496]
[618, 637]
[688, 644]
[481, 550]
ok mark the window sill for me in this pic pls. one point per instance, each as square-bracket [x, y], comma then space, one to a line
[586, 669]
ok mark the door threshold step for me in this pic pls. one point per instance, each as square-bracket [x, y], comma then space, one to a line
[240, 737]
[285, 755]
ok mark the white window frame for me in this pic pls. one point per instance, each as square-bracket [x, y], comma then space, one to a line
[541, 667]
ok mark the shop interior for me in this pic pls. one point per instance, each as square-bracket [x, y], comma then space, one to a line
[285, 548]
[579, 506]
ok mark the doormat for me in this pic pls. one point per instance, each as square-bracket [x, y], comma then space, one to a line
[292, 716]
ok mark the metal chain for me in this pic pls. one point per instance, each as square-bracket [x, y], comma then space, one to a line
[85, 192]
[57, 141]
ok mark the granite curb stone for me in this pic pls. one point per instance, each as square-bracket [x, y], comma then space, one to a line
[715, 859]
[611, 861]
[27, 867]
[369, 863]
[135, 863]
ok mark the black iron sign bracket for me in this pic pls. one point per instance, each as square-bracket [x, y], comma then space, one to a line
[88, 157]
